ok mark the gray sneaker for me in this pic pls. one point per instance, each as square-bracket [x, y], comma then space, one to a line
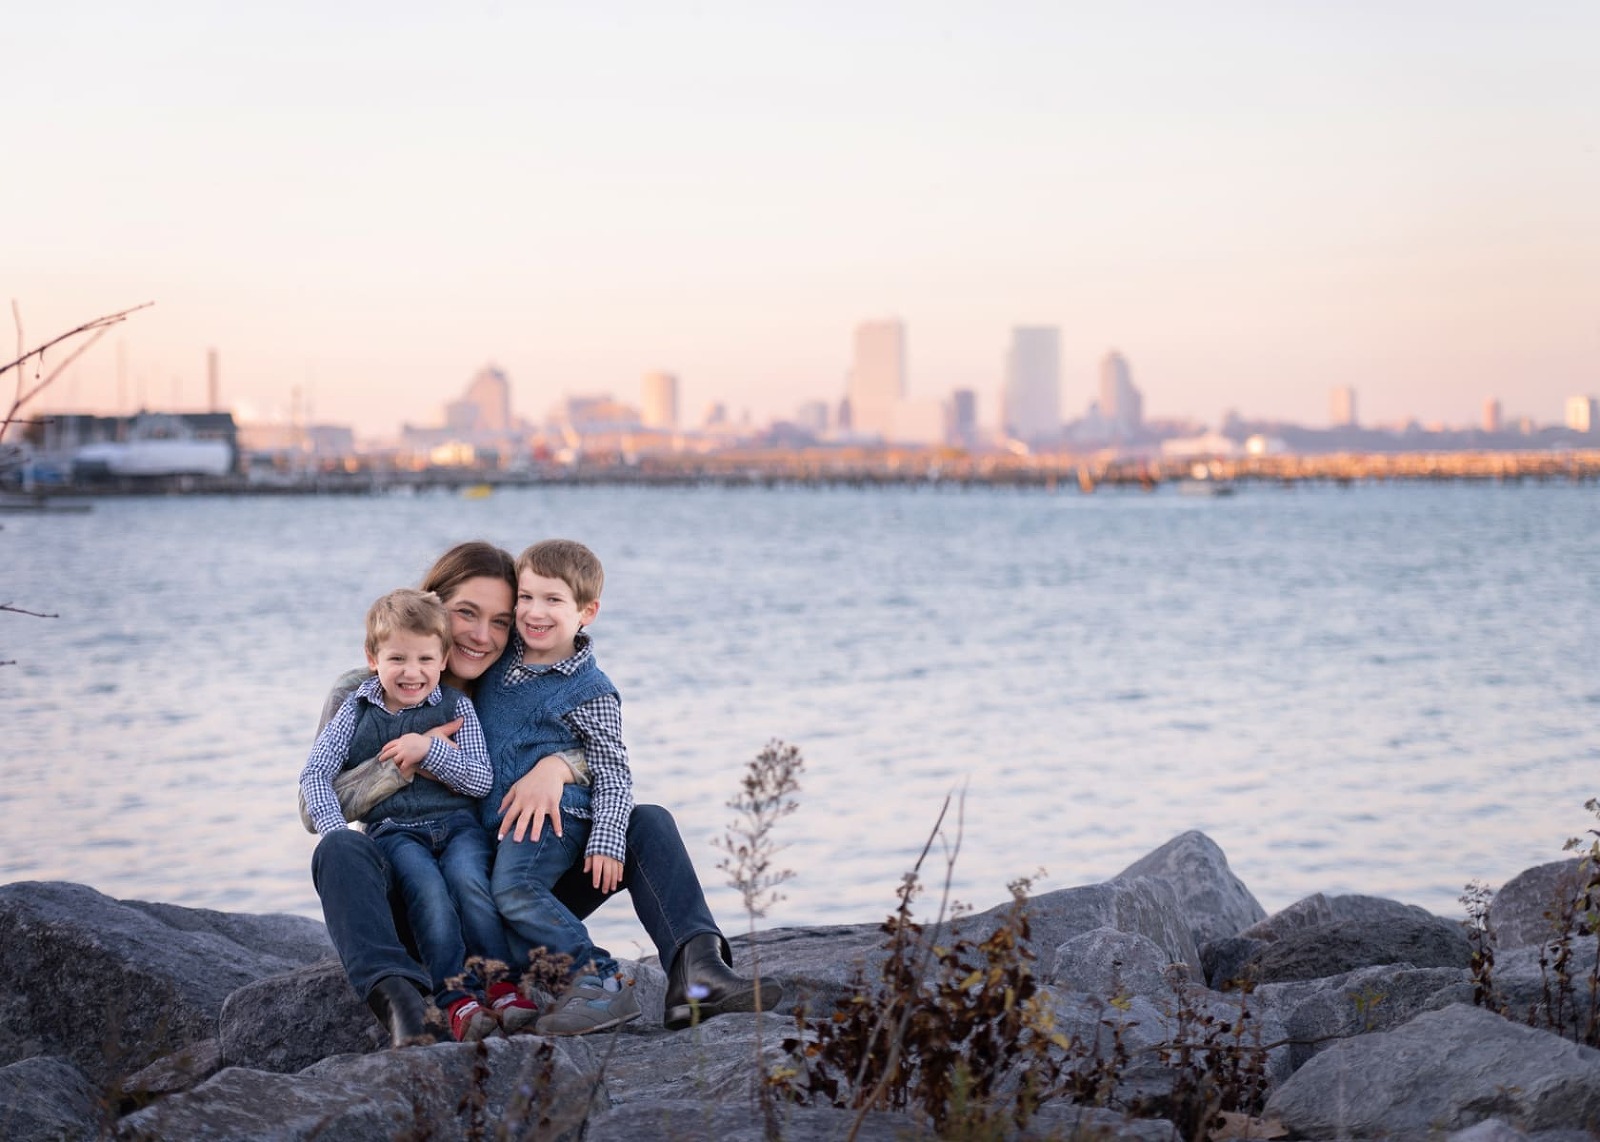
[588, 1005]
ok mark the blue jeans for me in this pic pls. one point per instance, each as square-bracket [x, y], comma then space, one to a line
[442, 868]
[526, 872]
[354, 880]
[661, 882]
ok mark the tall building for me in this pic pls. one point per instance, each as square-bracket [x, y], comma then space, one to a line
[486, 405]
[1491, 415]
[1030, 395]
[963, 418]
[1582, 414]
[877, 377]
[660, 401]
[1342, 407]
[1121, 405]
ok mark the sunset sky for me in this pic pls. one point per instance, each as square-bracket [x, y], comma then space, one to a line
[1254, 200]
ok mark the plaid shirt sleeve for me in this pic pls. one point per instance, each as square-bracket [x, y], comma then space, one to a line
[327, 758]
[598, 724]
[465, 768]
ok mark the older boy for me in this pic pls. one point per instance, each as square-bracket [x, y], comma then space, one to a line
[428, 831]
[546, 694]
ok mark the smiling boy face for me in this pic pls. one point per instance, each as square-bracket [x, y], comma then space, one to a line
[549, 618]
[408, 666]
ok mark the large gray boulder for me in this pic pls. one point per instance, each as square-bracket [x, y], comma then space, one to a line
[50, 1100]
[440, 1091]
[1367, 1000]
[698, 1120]
[815, 965]
[1109, 963]
[1146, 906]
[1444, 1070]
[1342, 946]
[1525, 911]
[284, 1023]
[114, 985]
[1215, 902]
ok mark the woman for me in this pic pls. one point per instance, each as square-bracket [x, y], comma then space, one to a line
[477, 583]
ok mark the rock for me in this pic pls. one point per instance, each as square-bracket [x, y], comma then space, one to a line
[1341, 946]
[816, 965]
[1489, 1130]
[698, 1120]
[422, 1092]
[178, 1071]
[1444, 1070]
[1222, 962]
[1214, 900]
[1370, 999]
[1520, 913]
[714, 1061]
[49, 1100]
[1109, 963]
[284, 1023]
[1305, 913]
[114, 985]
[1146, 906]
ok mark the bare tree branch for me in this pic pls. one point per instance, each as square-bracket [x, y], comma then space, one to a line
[97, 328]
[20, 611]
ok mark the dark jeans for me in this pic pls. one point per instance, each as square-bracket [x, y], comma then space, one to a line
[442, 869]
[354, 881]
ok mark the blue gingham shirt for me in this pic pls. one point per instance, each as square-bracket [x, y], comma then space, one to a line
[598, 725]
[463, 767]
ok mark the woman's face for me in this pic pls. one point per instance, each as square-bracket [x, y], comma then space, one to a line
[480, 623]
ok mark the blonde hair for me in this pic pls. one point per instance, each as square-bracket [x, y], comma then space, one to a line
[567, 560]
[411, 611]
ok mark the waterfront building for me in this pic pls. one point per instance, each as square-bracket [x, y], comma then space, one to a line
[877, 377]
[919, 422]
[485, 408]
[1491, 415]
[1121, 404]
[1342, 407]
[963, 418]
[660, 401]
[1030, 394]
[1582, 414]
[812, 416]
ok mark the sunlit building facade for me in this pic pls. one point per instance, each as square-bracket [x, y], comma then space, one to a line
[1030, 395]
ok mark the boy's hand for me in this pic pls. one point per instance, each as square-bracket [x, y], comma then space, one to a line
[407, 752]
[533, 797]
[605, 872]
[446, 732]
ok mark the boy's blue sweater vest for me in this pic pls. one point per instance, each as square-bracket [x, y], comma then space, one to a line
[524, 723]
[423, 798]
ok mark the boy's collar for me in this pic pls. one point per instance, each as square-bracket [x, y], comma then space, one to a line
[580, 650]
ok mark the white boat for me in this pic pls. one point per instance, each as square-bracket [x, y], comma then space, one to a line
[156, 446]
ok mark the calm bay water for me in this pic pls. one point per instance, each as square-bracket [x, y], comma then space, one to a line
[1385, 689]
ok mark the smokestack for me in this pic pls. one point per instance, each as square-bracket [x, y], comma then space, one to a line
[211, 378]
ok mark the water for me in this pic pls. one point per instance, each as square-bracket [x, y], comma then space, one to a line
[1383, 689]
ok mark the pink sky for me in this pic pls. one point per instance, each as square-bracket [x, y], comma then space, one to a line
[1253, 201]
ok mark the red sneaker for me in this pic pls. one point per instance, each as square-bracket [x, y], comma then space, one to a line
[471, 1021]
[514, 1012]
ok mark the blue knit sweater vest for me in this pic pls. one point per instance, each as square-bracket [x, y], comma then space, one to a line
[422, 799]
[524, 723]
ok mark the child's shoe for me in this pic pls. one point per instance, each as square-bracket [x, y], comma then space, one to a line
[471, 1021]
[590, 1004]
[515, 1013]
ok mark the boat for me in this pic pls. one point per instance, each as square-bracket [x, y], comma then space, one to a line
[1203, 481]
[157, 445]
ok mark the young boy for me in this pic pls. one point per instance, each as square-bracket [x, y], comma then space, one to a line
[546, 694]
[429, 830]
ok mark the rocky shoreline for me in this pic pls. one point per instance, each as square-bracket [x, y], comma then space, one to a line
[135, 1020]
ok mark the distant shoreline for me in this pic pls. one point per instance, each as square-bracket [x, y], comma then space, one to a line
[913, 470]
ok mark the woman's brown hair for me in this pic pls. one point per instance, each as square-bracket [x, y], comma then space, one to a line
[472, 560]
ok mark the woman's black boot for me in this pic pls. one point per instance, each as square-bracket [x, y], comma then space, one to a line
[701, 984]
[398, 1006]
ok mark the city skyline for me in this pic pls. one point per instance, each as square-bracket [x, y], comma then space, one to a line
[1255, 204]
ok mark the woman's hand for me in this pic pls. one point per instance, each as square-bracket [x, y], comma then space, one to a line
[446, 732]
[604, 872]
[535, 796]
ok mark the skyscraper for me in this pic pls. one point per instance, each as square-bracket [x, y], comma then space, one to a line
[1121, 405]
[660, 400]
[1583, 414]
[964, 418]
[1342, 407]
[877, 377]
[1491, 415]
[1030, 395]
[486, 405]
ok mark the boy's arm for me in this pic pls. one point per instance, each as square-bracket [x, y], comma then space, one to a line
[464, 766]
[327, 758]
[598, 724]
